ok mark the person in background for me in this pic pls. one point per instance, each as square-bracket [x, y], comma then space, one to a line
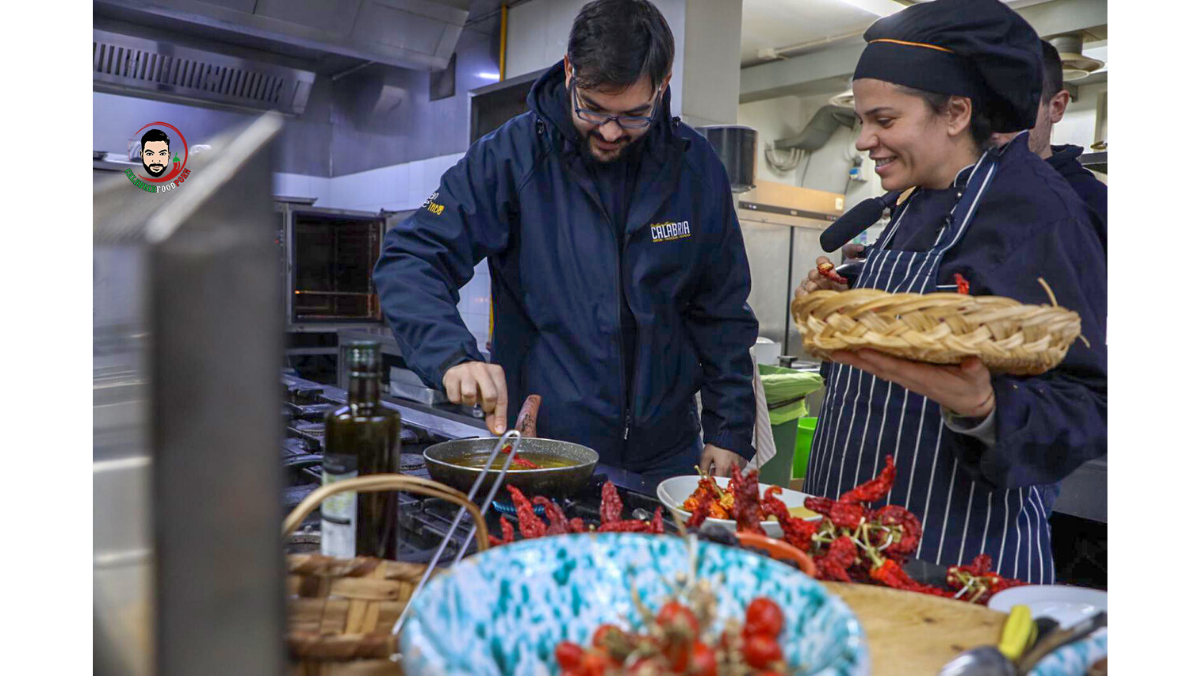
[979, 456]
[1064, 158]
[619, 275]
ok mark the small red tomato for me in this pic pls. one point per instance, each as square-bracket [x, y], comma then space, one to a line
[595, 664]
[763, 616]
[674, 612]
[704, 660]
[678, 654]
[760, 651]
[568, 654]
[599, 639]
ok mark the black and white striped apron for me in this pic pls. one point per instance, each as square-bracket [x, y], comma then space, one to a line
[863, 419]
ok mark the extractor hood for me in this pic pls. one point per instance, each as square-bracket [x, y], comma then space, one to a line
[414, 34]
[136, 66]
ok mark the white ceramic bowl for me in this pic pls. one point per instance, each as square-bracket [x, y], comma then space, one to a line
[675, 490]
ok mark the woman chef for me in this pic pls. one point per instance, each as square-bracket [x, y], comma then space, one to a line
[978, 456]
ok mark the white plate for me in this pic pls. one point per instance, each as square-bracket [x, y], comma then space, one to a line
[675, 490]
[1068, 605]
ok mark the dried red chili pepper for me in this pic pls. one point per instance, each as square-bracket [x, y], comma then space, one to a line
[890, 573]
[847, 514]
[610, 503]
[876, 488]
[745, 504]
[517, 460]
[656, 524]
[529, 523]
[827, 271]
[797, 532]
[507, 530]
[909, 526]
[735, 481]
[819, 505]
[554, 514]
[577, 525]
[964, 287]
[625, 526]
[841, 555]
[980, 564]
[978, 580]
[828, 570]
[701, 512]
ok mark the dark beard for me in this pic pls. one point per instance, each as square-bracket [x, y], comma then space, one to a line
[626, 150]
[161, 169]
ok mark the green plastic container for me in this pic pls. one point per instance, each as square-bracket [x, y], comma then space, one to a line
[804, 439]
[778, 470]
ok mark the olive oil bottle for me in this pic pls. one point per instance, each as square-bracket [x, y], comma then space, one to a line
[362, 437]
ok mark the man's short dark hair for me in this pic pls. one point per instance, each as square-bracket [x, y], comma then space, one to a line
[155, 135]
[1052, 72]
[614, 43]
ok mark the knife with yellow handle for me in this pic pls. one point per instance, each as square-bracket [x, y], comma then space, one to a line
[1018, 634]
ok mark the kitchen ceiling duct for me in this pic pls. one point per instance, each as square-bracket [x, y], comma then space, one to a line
[818, 130]
[414, 34]
[1076, 66]
[123, 64]
[843, 100]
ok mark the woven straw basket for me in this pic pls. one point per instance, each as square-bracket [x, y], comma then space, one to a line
[341, 612]
[938, 328]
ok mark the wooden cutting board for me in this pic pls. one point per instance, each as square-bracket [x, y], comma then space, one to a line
[910, 633]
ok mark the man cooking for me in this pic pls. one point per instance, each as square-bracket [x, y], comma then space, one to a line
[619, 275]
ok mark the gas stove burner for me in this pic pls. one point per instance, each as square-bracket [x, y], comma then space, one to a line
[505, 506]
[411, 461]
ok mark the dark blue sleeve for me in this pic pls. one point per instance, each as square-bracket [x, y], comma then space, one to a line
[1049, 425]
[724, 328]
[428, 257]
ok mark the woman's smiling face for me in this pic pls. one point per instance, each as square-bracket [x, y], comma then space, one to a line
[911, 144]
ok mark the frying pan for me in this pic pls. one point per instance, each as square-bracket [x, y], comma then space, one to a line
[555, 482]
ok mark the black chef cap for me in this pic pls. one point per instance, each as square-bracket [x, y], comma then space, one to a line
[975, 48]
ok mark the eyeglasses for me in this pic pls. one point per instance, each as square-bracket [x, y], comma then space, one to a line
[623, 121]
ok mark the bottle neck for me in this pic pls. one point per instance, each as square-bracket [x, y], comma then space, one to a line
[363, 389]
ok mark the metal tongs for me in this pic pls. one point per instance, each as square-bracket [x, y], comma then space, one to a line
[510, 436]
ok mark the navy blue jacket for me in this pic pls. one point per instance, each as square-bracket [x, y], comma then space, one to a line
[1065, 160]
[1030, 224]
[522, 197]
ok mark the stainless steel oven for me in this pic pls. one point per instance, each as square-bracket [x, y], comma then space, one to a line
[327, 256]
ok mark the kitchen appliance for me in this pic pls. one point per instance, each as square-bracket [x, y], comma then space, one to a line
[327, 257]
[408, 385]
[737, 146]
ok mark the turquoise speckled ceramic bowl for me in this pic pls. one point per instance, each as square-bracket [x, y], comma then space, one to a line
[503, 611]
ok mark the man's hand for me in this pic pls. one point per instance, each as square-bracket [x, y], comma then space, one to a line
[817, 282]
[719, 462]
[965, 390]
[475, 382]
[853, 252]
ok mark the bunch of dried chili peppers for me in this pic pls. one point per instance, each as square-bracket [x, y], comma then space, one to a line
[532, 526]
[855, 543]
